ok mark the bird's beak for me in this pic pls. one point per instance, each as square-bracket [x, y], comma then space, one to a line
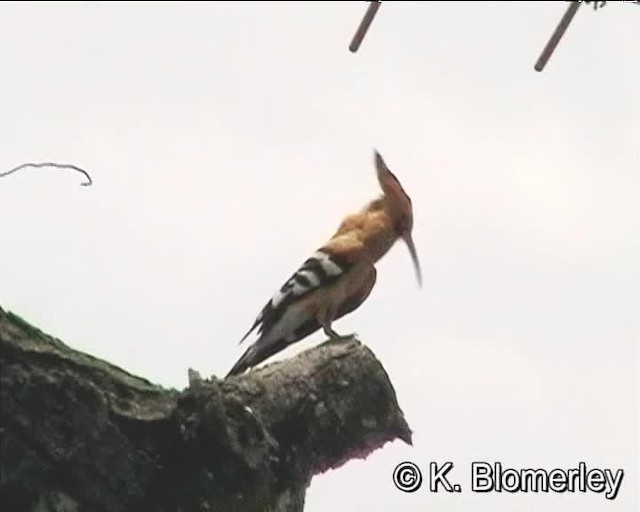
[414, 257]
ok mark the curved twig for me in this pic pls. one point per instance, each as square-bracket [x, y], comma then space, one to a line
[50, 164]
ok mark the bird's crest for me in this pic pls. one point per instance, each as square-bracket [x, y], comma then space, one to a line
[388, 181]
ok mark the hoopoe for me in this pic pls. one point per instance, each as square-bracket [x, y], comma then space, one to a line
[338, 277]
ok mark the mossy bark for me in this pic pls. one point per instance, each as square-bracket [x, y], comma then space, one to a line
[81, 434]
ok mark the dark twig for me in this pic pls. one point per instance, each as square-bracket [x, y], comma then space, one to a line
[557, 35]
[364, 26]
[50, 164]
[596, 5]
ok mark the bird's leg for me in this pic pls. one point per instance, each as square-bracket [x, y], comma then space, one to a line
[326, 327]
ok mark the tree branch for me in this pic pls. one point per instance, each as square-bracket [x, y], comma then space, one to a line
[81, 434]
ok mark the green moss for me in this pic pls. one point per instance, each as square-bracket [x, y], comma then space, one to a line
[21, 322]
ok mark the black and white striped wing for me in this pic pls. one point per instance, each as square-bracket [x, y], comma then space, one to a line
[351, 303]
[316, 272]
[258, 352]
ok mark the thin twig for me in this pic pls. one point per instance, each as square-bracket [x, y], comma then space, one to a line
[50, 164]
[596, 5]
[364, 26]
[557, 35]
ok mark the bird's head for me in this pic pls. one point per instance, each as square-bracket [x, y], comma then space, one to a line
[398, 206]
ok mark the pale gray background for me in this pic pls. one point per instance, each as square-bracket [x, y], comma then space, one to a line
[227, 140]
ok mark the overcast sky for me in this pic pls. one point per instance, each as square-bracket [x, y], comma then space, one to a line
[227, 140]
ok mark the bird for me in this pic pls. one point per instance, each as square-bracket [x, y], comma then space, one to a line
[338, 277]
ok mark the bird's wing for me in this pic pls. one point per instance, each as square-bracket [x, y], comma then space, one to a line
[258, 352]
[324, 267]
[352, 303]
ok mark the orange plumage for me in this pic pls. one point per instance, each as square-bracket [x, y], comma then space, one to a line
[338, 277]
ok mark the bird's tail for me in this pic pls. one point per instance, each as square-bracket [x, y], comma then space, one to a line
[257, 353]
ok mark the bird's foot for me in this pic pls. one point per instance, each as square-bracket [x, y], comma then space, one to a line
[343, 337]
[338, 337]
